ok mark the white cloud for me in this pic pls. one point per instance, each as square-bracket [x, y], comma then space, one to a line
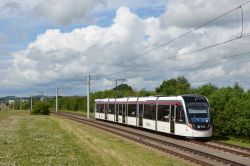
[189, 14]
[114, 4]
[214, 72]
[69, 53]
[56, 56]
[59, 12]
[64, 12]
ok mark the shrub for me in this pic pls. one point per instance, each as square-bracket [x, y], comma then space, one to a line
[40, 108]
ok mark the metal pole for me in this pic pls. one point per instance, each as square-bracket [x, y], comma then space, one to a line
[88, 96]
[116, 84]
[31, 107]
[56, 99]
[116, 88]
[20, 104]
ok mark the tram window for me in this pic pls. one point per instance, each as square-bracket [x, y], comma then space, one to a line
[140, 110]
[106, 107]
[163, 112]
[97, 109]
[132, 110]
[101, 108]
[124, 109]
[180, 116]
[116, 109]
[149, 111]
[120, 109]
[111, 108]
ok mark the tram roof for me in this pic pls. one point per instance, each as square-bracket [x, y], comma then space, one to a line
[149, 98]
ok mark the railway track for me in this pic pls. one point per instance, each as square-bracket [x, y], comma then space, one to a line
[193, 155]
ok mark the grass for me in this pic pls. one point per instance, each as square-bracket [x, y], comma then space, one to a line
[237, 142]
[76, 112]
[91, 114]
[50, 140]
[38, 140]
[234, 141]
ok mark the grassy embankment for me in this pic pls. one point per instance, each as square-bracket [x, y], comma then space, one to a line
[77, 112]
[233, 141]
[237, 142]
[51, 140]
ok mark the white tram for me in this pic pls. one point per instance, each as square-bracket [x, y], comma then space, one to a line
[186, 115]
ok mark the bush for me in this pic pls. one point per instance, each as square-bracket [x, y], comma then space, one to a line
[40, 108]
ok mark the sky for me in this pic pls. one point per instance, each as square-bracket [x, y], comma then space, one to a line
[48, 44]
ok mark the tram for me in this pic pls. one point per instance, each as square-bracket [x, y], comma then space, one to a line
[184, 115]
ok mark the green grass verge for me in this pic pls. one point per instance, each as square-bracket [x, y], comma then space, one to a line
[234, 141]
[50, 140]
[237, 142]
[38, 140]
[78, 112]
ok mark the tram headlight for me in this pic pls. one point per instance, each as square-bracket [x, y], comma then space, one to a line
[190, 125]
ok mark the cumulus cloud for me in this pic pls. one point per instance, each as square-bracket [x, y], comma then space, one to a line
[82, 50]
[16, 8]
[64, 12]
[112, 52]
[59, 12]
[189, 14]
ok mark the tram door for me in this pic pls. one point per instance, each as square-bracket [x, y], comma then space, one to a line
[106, 110]
[172, 118]
[140, 114]
[116, 112]
[123, 113]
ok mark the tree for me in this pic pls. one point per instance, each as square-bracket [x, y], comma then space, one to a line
[123, 87]
[177, 86]
[205, 90]
[144, 92]
[123, 90]
[41, 108]
[230, 112]
[237, 87]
